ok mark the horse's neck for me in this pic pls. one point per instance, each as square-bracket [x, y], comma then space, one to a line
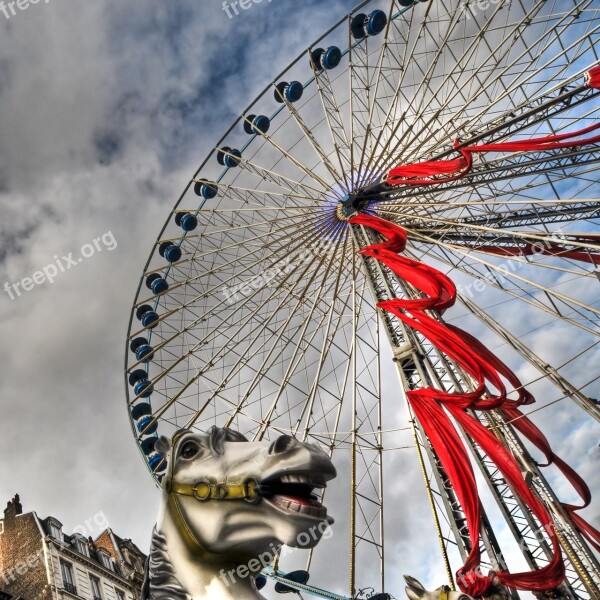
[203, 579]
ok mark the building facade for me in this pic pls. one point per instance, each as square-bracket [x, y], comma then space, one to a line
[39, 561]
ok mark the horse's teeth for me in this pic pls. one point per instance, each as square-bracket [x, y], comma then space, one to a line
[283, 503]
[296, 478]
[318, 511]
[315, 481]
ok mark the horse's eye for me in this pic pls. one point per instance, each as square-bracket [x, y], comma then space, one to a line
[189, 450]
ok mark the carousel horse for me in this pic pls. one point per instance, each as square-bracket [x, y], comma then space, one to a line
[227, 507]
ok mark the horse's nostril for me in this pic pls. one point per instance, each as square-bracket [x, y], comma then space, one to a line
[282, 444]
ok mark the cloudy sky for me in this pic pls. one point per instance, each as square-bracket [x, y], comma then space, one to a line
[106, 108]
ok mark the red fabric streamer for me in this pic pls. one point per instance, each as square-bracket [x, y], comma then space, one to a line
[540, 248]
[431, 406]
[592, 77]
[431, 172]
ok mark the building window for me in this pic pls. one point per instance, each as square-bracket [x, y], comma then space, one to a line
[67, 576]
[107, 561]
[81, 546]
[95, 582]
[55, 531]
[120, 594]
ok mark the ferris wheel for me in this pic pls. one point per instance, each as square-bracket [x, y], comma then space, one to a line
[465, 136]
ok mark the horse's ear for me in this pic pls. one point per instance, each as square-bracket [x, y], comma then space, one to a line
[415, 589]
[412, 595]
[163, 446]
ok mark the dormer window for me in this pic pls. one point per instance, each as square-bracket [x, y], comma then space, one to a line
[55, 529]
[106, 561]
[81, 545]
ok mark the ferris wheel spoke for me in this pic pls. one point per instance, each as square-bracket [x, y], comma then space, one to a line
[476, 239]
[538, 107]
[536, 214]
[559, 166]
[335, 121]
[284, 182]
[258, 196]
[293, 364]
[310, 137]
[495, 200]
[273, 342]
[223, 248]
[498, 211]
[523, 262]
[443, 227]
[506, 187]
[503, 123]
[287, 155]
[340, 348]
[415, 66]
[240, 323]
[487, 242]
[248, 268]
[242, 363]
[227, 229]
[295, 244]
[289, 273]
[522, 295]
[359, 101]
[537, 103]
[366, 89]
[496, 274]
[402, 28]
[425, 92]
[308, 411]
[547, 371]
[546, 107]
[295, 354]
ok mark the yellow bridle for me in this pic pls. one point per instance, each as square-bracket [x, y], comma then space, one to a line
[203, 491]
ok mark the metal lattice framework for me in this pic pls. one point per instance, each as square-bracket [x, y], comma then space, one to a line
[263, 316]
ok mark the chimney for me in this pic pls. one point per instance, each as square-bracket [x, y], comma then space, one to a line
[13, 507]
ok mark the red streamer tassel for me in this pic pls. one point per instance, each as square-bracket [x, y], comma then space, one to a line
[592, 77]
[541, 248]
[430, 406]
[432, 172]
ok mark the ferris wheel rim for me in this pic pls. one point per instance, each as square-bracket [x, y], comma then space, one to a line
[141, 300]
[239, 119]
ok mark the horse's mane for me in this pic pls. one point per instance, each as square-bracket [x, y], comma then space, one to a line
[160, 582]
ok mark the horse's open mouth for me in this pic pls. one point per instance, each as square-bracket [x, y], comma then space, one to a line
[294, 493]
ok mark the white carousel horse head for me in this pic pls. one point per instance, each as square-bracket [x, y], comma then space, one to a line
[416, 591]
[227, 506]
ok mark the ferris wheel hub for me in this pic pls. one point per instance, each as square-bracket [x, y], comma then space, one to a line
[359, 200]
[352, 204]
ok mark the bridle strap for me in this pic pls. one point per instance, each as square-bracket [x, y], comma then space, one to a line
[181, 524]
[205, 490]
